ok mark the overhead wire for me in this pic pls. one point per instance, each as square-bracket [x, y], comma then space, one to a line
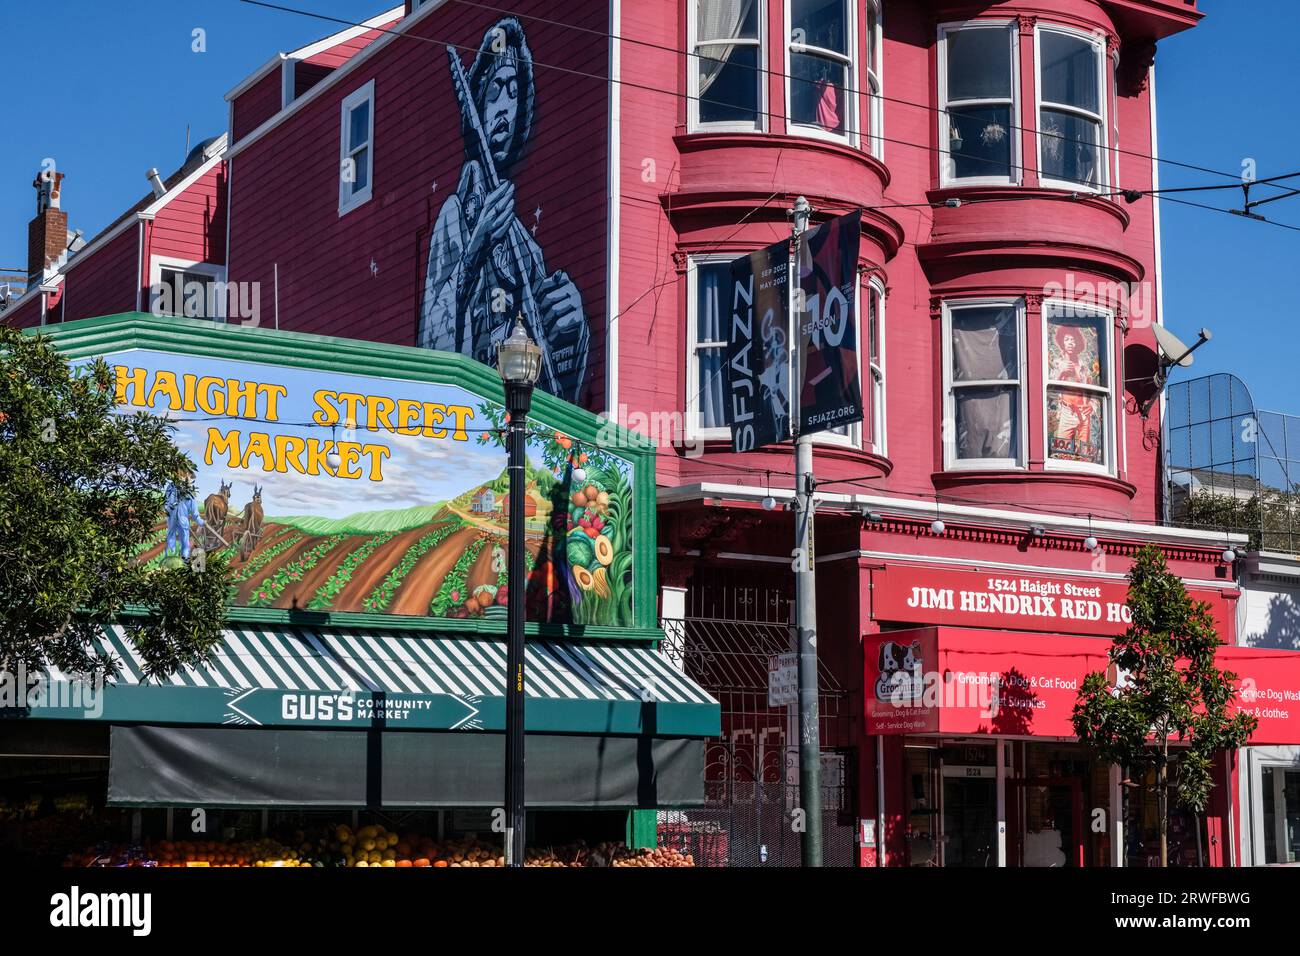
[686, 96]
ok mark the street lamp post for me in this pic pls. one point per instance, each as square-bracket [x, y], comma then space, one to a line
[519, 361]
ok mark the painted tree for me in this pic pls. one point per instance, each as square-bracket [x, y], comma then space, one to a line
[81, 494]
[1163, 687]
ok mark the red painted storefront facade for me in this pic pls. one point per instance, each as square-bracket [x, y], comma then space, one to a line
[991, 450]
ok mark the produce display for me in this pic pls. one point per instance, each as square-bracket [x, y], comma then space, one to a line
[368, 847]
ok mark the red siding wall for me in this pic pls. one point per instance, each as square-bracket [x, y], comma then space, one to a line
[255, 105]
[307, 74]
[193, 225]
[362, 275]
[24, 316]
[105, 283]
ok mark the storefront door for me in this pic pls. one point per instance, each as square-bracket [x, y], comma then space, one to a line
[969, 816]
[1052, 811]
[1281, 790]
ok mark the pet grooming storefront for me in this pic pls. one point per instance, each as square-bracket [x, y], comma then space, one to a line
[969, 696]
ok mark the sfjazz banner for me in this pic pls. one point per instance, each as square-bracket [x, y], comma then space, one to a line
[830, 394]
[355, 493]
[758, 349]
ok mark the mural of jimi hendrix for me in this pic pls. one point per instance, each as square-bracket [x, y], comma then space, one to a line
[484, 266]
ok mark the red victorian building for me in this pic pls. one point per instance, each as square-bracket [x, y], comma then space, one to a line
[425, 176]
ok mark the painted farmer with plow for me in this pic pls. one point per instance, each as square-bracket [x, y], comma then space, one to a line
[484, 266]
[179, 505]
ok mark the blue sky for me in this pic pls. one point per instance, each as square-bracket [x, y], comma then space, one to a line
[129, 83]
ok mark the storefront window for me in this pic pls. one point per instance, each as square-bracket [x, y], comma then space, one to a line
[1281, 792]
[1142, 823]
[1078, 384]
[726, 74]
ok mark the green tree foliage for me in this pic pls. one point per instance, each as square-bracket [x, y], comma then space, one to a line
[1165, 687]
[81, 491]
[1270, 518]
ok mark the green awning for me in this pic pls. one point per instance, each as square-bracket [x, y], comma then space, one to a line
[344, 678]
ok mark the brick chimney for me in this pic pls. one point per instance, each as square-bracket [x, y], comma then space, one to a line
[47, 234]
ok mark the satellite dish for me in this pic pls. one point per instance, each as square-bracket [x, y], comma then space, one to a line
[1172, 352]
[1172, 349]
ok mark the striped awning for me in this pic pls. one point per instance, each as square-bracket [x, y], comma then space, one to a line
[361, 678]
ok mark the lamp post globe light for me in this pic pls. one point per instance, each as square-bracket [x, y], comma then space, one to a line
[519, 362]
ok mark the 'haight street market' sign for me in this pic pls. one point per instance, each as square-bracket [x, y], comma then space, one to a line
[1010, 600]
[341, 492]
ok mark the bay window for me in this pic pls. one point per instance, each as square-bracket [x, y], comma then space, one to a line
[820, 60]
[726, 65]
[1071, 108]
[707, 282]
[1076, 344]
[984, 384]
[874, 67]
[874, 346]
[978, 104]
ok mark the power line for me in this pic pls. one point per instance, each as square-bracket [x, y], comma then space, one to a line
[848, 89]
[668, 92]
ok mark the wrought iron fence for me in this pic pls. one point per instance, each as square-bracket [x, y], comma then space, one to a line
[752, 812]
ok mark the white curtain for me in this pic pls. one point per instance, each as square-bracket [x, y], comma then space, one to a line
[984, 348]
[718, 20]
[710, 281]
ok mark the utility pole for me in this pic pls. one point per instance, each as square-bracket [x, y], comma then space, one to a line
[810, 769]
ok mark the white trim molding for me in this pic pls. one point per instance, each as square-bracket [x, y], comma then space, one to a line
[349, 196]
[927, 509]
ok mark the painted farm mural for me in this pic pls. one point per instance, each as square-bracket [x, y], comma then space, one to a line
[354, 494]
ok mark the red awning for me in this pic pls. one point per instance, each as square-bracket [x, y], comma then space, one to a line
[965, 681]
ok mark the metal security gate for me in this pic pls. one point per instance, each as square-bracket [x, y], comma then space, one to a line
[752, 811]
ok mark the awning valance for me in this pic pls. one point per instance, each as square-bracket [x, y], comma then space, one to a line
[964, 681]
[349, 678]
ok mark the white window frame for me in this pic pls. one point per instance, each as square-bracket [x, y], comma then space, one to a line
[874, 71]
[948, 428]
[1101, 119]
[1014, 174]
[348, 198]
[876, 372]
[158, 263]
[1108, 393]
[851, 92]
[694, 430]
[693, 123]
